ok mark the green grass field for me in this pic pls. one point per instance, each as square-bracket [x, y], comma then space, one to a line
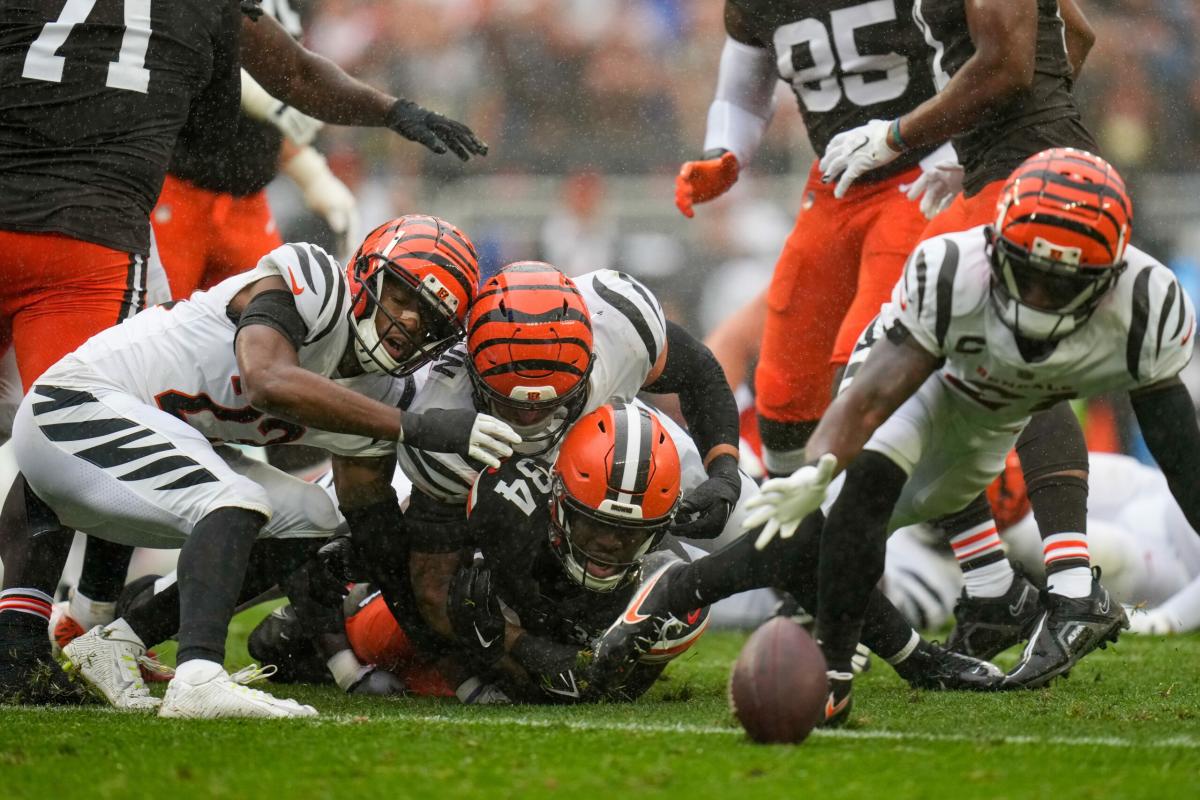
[1126, 724]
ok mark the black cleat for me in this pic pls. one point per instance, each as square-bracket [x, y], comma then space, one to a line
[29, 675]
[839, 701]
[932, 666]
[985, 626]
[1068, 630]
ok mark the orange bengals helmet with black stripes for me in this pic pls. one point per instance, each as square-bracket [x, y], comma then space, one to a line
[437, 263]
[615, 488]
[1058, 246]
[529, 342]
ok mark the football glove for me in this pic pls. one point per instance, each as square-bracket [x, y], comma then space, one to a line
[376, 682]
[328, 197]
[783, 503]
[338, 558]
[855, 152]
[701, 181]
[431, 129]
[705, 510]
[474, 692]
[937, 187]
[462, 431]
[474, 612]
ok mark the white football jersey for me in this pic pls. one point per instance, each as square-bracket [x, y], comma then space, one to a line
[180, 358]
[629, 332]
[1140, 334]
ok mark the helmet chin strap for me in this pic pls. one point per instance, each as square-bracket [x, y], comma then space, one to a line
[372, 356]
[546, 426]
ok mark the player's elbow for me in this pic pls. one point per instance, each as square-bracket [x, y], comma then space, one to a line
[266, 389]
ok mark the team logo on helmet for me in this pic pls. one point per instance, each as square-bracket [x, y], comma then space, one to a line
[437, 263]
[615, 490]
[1058, 246]
[529, 342]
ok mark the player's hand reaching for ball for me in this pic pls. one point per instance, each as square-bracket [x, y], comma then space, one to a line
[436, 132]
[783, 503]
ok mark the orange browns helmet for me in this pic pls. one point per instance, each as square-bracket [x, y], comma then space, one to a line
[529, 338]
[1007, 494]
[615, 488]
[437, 262]
[1058, 246]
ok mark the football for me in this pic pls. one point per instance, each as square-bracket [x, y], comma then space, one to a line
[778, 687]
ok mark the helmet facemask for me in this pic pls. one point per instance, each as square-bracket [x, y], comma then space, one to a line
[438, 328]
[549, 426]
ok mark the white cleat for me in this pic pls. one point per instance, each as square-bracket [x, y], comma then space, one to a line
[107, 658]
[204, 690]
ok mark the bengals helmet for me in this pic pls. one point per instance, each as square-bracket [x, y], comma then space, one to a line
[615, 488]
[437, 263]
[529, 346]
[1059, 242]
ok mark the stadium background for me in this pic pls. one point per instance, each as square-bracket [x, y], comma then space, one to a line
[591, 105]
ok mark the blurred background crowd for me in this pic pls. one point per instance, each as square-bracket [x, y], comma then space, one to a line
[591, 105]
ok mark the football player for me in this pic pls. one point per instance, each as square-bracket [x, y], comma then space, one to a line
[1050, 302]
[564, 551]
[541, 351]
[117, 440]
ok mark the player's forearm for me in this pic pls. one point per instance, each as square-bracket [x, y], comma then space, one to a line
[309, 82]
[1167, 418]
[431, 574]
[301, 396]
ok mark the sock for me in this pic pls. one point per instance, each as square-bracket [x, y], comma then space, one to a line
[1070, 582]
[976, 544]
[783, 444]
[198, 670]
[88, 612]
[1068, 565]
[900, 656]
[102, 577]
[212, 567]
[25, 609]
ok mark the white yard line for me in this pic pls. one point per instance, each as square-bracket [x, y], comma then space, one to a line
[1184, 742]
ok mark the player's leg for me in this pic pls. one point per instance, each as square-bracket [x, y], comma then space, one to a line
[184, 231]
[810, 292]
[246, 233]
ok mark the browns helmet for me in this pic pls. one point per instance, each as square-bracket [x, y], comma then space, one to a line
[1059, 242]
[529, 342]
[615, 488]
[437, 263]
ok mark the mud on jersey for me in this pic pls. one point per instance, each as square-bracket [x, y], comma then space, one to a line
[629, 332]
[1036, 119]
[93, 94]
[1141, 333]
[847, 63]
[180, 357]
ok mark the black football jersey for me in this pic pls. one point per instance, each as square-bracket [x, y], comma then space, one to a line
[847, 62]
[206, 159]
[509, 521]
[1044, 116]
[93, 94]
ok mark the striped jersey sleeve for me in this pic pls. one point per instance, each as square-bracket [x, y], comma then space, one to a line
[924, 297]
[318, 285]
[1162, 322]
[627, 317]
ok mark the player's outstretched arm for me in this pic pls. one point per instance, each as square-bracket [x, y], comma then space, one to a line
[322, 89]
[1078, 33]
[1168, 421]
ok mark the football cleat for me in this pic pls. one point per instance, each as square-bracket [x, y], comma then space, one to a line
[29, 675]
[1069, 629]
[985, 626]
[839, 700]
[108, 659]
[63, 627]
[932, 666]
[214, 693]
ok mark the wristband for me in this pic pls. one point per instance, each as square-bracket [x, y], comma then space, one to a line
[895, 131]
[346, 669]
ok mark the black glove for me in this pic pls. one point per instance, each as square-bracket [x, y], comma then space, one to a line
[338, 558]
[475, 614]
[558, 669]
[433, 130]
[706, 509]
[376, 682]
[462, 431]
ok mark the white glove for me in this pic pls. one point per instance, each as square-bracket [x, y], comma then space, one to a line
[1151, 622]
[492, 440]
[937, 187]
[295, 125]
[852, 153]
[486, 439]
[327, 196]
[474, 692]
[783, 503]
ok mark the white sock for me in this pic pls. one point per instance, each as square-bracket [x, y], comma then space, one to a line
[991, 580]
[198, 671]
[1073, 582]
[88, 612]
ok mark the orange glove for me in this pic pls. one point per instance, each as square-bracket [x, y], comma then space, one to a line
[701, 181]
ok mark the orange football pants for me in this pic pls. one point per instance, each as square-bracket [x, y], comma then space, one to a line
[205, 237]
[967, 212]
[837, 268]
[56, 292]
[376, 638]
